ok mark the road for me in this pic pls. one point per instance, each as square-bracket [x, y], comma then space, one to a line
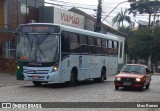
[86, 91]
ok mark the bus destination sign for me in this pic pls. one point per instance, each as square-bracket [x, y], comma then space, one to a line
[39, 29]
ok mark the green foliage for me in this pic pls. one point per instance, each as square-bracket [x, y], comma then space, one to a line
[121, 17]
[156, 44]
[140, 43]
[143, 42]
[145, 7]
[124, 29]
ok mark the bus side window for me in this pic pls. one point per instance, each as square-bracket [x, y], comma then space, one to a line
[115, 48]
[91, 43]
[74, 43]
[104, 47]
[110, 46]
[121, 49]
[83, 43]
[65, 42]
[98, 46]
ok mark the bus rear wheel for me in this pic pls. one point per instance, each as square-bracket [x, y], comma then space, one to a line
[102, 78]
[37, 83]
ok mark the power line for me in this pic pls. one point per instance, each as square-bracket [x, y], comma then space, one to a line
[72, 3]
[69, 5]
[62, 6]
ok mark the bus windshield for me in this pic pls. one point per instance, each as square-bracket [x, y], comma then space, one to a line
[37, 47]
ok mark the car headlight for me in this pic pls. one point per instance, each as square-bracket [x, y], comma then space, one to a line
[118, 79]
[138, 79]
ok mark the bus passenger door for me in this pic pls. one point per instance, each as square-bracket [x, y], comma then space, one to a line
[94, 67]
[83, 70]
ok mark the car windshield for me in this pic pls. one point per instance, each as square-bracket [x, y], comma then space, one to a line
[37, 47]
[134, 69]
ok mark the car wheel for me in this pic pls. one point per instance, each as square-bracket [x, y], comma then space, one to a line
[37, 83]
[147, 86]
[141, 88]
[116, 87]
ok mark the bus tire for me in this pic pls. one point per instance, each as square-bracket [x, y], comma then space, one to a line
[37, 83]
[102, 78]
[103, 72]
[73, 78]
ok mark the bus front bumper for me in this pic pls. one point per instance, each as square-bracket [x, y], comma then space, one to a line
[51, 77]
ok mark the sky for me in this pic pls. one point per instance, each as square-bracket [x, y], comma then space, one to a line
[107, 7]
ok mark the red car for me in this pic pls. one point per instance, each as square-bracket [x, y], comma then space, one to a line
[133, 75]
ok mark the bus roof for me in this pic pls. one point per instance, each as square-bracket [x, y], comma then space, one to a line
[87, 32]
[81, 31]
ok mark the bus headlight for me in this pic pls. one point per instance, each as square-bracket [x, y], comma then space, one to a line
[138, 79]
[55, 67]
[118, 79]
[18, 67]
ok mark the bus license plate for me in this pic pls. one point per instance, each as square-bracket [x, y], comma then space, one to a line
[35, 77]
[127, 83]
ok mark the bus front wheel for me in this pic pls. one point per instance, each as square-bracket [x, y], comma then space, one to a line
[73, 79]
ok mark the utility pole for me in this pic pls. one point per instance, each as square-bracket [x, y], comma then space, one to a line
[97, 26]
[26, 11]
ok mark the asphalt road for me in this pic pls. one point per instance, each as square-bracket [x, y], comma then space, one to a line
[86, 91]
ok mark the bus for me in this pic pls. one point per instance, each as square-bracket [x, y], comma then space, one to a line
[51, 53]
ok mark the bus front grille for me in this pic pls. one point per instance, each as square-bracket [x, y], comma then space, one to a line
[27, 71]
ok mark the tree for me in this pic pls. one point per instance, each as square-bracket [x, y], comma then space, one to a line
[121, 17]
[140, 44]
[145, 7]
[156, 44]
[125, 30]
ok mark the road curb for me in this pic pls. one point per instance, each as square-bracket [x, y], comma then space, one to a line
[13, 84]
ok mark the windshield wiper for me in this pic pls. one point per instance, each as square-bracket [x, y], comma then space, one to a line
[40, 41]
[31, 42]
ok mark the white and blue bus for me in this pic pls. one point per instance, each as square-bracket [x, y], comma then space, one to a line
[49, 53]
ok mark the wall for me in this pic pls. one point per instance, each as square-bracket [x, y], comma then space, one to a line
[17, 13]
[1, 13]
[13, 13]
[56, 15]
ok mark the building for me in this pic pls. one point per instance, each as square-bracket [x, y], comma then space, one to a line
[90, 22]
[13, 13]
